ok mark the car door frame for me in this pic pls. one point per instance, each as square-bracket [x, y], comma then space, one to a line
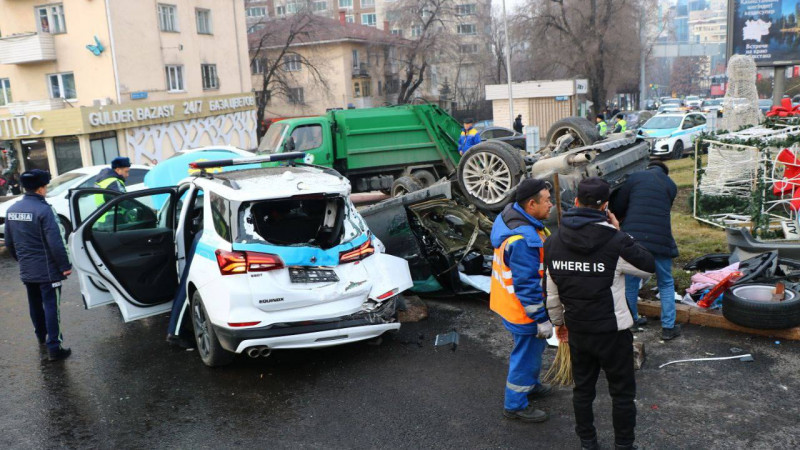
[91, 267]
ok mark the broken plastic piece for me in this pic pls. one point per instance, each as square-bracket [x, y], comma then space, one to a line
[450, 338]
[747, 357]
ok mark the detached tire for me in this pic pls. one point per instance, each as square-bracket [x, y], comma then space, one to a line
[584, 132]
[208, 347]
[405, 185]
[489, 173]
[425, 178]
[748, 305]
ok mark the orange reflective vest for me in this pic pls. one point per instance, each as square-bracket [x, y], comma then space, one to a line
[502, 298]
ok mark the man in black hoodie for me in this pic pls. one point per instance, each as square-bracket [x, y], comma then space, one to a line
[585, 261]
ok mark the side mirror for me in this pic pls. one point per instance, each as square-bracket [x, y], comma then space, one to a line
[289, 146]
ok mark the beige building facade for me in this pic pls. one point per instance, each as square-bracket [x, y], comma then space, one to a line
[82, 82]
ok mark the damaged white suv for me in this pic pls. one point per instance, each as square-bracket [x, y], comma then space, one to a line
[284, 259]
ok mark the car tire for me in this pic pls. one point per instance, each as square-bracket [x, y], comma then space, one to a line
[67, 226]
[505, 168]
[677, 150]
[584, 132]
[405, 185]
[208, 346]
[424, 177]
[742, 306]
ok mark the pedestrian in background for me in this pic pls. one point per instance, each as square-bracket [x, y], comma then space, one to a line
[518, 124]
[469, 136]
[622, 125]
[34, 237]
[13, 184]
[602, 126]
[516, 295]
[643, 204]
[586, 258]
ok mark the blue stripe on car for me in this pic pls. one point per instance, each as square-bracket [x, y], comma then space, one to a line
[291, 256]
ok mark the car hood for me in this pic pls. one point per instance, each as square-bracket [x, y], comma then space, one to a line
[657, 132]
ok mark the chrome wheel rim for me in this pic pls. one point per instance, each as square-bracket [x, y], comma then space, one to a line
[487, 177]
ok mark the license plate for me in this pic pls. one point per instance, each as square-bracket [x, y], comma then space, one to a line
[303, 275]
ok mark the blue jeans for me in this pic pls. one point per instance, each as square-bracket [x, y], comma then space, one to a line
[666, 291]
[524, 366]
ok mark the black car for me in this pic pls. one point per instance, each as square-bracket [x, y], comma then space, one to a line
[503, 134]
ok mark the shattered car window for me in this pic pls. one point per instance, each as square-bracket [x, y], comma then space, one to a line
[317, 221]
[663, 122]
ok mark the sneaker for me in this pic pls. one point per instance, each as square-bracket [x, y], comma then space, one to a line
[58, 355]
[590, 444]
[529, 414]
[540, 390]
[671, 333]
[641, 321]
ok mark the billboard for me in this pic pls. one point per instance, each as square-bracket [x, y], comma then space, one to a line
[767, 30]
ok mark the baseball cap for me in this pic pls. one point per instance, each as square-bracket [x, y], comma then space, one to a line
[593, 191]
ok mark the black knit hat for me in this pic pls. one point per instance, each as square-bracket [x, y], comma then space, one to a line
[593, 191]
[34, 179]
[530, 187]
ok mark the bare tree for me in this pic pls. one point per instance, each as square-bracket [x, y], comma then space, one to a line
[272, 56]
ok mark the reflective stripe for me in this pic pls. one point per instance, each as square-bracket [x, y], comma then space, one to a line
[517, 388]
[533, 308]
[507, 274]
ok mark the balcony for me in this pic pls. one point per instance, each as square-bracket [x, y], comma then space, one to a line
[360, 71]
[27, 48]
[49, 104]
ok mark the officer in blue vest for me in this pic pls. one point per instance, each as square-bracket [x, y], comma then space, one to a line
[469, 136]
[35, 238]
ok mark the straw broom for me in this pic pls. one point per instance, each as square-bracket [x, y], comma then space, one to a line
[560, 372]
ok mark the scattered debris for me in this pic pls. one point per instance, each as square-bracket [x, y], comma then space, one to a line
[638, 355]
[735, 350]
[450, 338]
[747, 357]
[414, 311]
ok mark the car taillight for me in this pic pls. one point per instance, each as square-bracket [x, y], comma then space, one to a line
[358, 253]
[387, 294]
[233, 263]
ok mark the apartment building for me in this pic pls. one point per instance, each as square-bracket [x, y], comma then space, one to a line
[82, 82]
[356, 62]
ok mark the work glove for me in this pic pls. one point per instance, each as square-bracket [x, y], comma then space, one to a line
[544, 330]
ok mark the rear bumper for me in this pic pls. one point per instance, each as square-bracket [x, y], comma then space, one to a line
[310, 334]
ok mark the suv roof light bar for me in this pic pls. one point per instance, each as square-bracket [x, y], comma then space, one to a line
[243, 161]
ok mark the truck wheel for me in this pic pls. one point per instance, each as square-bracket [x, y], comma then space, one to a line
[211, 352]
[584, 132]
[425, 178]
[488, 174]
[750, 305]
[405, 185]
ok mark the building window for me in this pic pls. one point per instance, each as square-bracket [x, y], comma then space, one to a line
[210, 80]
[293, 7]
[466, 28]
[174, 78]
[416, 31]
[203, 21]
[50, 19]
[366, 88]
[355, 59]
[291, 63]
[5, 92]
[167, 17]
[367, 3]
[280, 10]
[256, 27]
[256, 12]
[356, 89]
[369, 19]
[104, 147]
[296, 96]
[350, 18]
[465, 10]
[345, 4]
[468, 49]
[62, 85]
[397, 32]
[320, 5]
[257, 66]
[68, 153]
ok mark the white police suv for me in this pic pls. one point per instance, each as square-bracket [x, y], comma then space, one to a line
[672, 134]
[284, 259]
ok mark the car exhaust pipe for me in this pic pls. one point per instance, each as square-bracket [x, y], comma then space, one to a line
[254, 352]
[265, 352]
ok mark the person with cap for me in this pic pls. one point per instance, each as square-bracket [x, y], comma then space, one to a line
[469, 136]
[114, 178]
[518, 124]
[622, 125]
[602, 127]
[35, 238]
[586, 258]
[516, 295]
[643, 204]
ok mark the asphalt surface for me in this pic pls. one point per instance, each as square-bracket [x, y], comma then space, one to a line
[124, 387]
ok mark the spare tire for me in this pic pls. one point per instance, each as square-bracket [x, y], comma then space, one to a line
[405, 185]
[489, 173]
[750, 305]
[584, 132]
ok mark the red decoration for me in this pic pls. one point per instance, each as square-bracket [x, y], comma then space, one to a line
[785, 110]
[791, 178]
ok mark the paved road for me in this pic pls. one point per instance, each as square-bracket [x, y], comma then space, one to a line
[125, 388]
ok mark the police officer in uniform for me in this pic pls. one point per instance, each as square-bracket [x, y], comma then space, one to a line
[516, 295]
[602, 126]
[622, 124]
[586, 260]
[34, 237]
[114, 178]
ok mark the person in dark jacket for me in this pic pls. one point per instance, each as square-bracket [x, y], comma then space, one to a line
[13, 184]
[35, 239]
[516, 295]
[114, 178]
[585, 260]
[518, 124]
[643, 204]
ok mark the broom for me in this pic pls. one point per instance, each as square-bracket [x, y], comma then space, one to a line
[560, 372]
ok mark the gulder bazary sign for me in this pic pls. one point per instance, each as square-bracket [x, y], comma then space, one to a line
[767, 30]
[189, 108]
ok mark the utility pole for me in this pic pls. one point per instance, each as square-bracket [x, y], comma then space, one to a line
[508, 69]
[642, 44]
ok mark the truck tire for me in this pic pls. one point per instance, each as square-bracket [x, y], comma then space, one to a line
[748, 305]
[405, 185]
[584, 132]
[488, 174]
[425, 177]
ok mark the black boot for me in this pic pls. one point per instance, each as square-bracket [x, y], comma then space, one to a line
[630, 446]
[58, 355]
[529, 414]
[671, 333]
[590, 444]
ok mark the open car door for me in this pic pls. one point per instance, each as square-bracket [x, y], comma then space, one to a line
[124, 250]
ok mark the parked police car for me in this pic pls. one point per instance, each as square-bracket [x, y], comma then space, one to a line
[672, 134]
[284, 260]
